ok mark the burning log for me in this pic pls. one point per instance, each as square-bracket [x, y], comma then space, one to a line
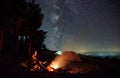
[34, 64]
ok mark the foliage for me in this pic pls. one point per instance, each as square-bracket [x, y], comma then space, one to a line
[18, 14]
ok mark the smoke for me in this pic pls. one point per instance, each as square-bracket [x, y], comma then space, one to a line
[64, 59]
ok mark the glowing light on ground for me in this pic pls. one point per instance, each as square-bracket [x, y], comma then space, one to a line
[59, 52]
[54, 65]
[62, 60]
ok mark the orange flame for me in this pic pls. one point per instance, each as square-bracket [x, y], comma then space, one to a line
[63, 60]
[34, 57]
[54, 65]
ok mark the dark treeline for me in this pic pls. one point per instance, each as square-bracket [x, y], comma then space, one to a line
[19, 23]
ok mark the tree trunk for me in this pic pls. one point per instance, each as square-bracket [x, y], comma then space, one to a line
[1, 40]
[30, 45]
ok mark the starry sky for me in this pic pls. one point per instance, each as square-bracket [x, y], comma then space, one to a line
[82, 25]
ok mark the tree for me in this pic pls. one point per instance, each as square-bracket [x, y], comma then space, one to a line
[19, 21]
[18, 14]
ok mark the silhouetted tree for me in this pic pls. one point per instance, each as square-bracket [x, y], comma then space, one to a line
[19, 21]
[18, 14]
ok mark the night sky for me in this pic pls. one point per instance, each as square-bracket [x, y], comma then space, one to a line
[82, 26]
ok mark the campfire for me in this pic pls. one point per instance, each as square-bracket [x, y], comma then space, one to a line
[66, 62]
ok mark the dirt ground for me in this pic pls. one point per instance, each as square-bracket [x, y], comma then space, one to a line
[9, 68]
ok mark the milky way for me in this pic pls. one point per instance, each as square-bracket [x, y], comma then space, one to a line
[81, 25]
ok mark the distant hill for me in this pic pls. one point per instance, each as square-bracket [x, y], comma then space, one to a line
[104, 54]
